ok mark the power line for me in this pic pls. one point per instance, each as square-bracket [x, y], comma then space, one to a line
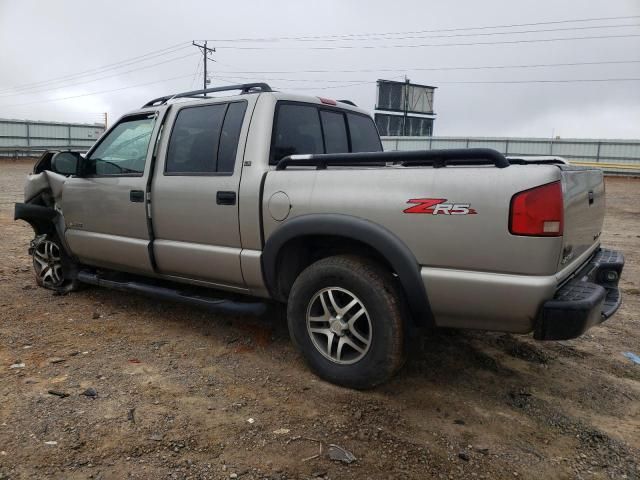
[96, 93]
[480, 82]
[441, 30]
[35, 90]
[195, 74]
[111, 66]
[362, 81]
[428, 69]
[353, 83]
[375, 37]
[501, 42]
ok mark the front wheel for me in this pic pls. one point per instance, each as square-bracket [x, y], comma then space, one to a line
[50, 265]
[345, 316]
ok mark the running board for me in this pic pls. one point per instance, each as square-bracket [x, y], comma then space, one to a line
[184, 295]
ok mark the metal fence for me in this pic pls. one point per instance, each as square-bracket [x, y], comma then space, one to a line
[613, 156]
[20, 138]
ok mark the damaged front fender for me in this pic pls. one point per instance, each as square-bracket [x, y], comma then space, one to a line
[46, 181]
[42, 194]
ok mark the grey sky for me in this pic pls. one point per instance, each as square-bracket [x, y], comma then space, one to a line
[40, 41]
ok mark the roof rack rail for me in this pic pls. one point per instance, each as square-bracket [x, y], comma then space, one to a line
[348, 102]
[243, 87]
[435, 158]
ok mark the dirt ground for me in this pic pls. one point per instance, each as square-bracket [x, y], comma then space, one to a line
[184, 393]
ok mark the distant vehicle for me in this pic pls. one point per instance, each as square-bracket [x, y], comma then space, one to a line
[290, 198]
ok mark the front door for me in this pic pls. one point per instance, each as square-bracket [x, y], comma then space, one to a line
[104, 209]
[194, 198]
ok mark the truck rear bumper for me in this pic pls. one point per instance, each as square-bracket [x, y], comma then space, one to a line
[588, 299]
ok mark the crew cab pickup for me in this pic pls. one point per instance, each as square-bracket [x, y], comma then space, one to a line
[291, 198]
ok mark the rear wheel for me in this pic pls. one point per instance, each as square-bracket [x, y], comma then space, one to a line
[50, 265]
[345, 316]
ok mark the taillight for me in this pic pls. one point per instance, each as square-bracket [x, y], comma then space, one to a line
[538, 212]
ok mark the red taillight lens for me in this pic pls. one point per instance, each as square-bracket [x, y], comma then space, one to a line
[538, 212]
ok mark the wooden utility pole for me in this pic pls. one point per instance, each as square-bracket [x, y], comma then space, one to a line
[205, 51]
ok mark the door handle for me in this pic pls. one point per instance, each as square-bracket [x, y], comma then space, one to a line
[226, 198]
[136, 196]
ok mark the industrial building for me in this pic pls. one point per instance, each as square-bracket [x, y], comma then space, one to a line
[26, 138]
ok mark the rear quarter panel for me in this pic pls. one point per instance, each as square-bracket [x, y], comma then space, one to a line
[478, 242]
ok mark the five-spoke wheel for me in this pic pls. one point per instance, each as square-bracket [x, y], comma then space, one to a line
[345, 316]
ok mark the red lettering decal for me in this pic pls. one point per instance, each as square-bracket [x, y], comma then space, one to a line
[424, 205]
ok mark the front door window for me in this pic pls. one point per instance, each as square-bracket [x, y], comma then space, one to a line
[124, 150]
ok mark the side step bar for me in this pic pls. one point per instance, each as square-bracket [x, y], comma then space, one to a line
[184, 295]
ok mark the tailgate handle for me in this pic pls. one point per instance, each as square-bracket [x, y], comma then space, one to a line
[136, 196]
[226, 198]
[590, 197]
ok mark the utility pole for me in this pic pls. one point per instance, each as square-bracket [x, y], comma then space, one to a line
[205, 51]
[405, 106]
[106, 121]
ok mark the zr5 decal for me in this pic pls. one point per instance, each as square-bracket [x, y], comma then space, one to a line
[439, 206]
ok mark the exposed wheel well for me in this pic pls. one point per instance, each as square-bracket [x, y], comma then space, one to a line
[300, 252]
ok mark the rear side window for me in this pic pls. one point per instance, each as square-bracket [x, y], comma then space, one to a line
[297, 131]
[364, 136]
[335, 132]
[204, 139]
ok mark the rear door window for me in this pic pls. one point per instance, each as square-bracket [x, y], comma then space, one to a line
[297, 131]
[335, 132]
[364, 135]
[204, 139]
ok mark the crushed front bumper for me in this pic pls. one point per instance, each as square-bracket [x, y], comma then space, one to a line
[588, 299]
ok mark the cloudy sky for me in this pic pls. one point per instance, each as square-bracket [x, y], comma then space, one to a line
[503, 68]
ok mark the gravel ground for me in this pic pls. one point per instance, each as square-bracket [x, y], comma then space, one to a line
[172, 391]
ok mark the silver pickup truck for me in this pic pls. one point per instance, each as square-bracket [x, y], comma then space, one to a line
[291, 198]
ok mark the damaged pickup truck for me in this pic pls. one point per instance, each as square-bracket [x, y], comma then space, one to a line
[291, 198]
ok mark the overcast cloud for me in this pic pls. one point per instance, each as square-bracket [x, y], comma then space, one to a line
[43, 40]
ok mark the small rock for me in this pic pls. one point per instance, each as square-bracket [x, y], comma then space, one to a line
[30, 380]
[95, 315]
[157, 437]
[251, 420]
[339, 454]
[459, 421]
[463, 456]
[55, 360]
[233, 475]
[17, 365]
[90, 392]
[51, 442]
[281, 431]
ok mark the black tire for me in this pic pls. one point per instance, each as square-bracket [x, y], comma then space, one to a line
[62, 282]
[377, 291]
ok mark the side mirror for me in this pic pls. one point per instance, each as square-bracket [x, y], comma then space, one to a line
[66, 163]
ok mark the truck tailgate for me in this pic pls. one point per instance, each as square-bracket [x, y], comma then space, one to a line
[584, 207]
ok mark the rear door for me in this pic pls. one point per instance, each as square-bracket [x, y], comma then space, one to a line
[104, 210]
[194, 195]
